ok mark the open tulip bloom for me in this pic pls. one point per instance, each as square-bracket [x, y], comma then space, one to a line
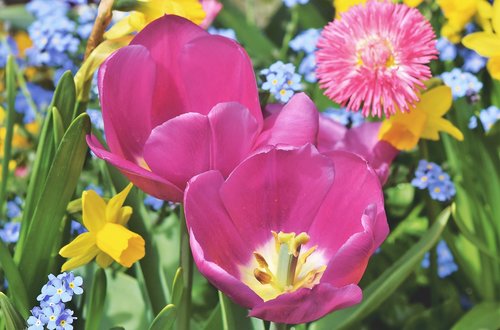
[289, 233]
[171, 98]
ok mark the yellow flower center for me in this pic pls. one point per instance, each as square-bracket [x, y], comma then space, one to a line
[275, 81]
[375, 53]
[59, 291]
[437, 190]
[71, 285]
[283, 92]
[279, 266]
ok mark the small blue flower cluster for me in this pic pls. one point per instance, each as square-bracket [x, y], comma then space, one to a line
[473, 62]
[52, 312]
[306, 42]
[431, 176]
[96, 119]
[345, 117]
[10, 232]
[228, 33]
[281, 81]
[461, 83]
[57, 38]
[445, 261]
[488, 117]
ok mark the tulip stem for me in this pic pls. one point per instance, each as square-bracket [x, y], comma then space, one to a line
[278, 326]
[186, 262]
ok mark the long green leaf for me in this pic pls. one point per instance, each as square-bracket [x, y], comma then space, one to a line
[387, 283]
[227, 315]
[177, 287]
[165, 319]
[56, 194]
[64, 101]
[17, 15]
[13, 320]
[16, 285]
[7, 151]
[485, 316]
[95, 304]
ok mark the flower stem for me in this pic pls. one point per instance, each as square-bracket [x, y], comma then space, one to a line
[186, 262]
[278, 326]
[291, 28]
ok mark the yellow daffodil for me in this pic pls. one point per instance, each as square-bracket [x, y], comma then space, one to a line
[460, 12]
[107, 238]
[404, 130]
[149, 10]
[488, 43]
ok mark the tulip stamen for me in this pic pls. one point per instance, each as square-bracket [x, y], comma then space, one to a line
[289, 270]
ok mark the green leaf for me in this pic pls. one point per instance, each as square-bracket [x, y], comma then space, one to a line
[7, 151]
[95, 303]
[380, 289]
[485, 316]
[13, 320]
[165, 319]
[177, 287]
[16, 285]
[55, 196]
[58, 126]
[17, 15]
[259, 47]
[64, 101]
[227, 315]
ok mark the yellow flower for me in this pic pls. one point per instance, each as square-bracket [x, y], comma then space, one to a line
[404, 130]
[487, 44]
[107, 238]
[344, 5]
[149, 10]
[460, 12]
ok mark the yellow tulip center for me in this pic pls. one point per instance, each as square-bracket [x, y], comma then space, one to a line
[280, 266]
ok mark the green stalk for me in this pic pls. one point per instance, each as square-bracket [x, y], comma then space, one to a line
[7, 151]
[186, 263]
[291, 29]
[278, 326]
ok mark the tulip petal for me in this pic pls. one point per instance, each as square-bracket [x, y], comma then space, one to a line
[330, 133]
[295, 125]
[208, 221]
[165, 38]
[126, 84]
[364, 142]
[350, 261]
[484, 43]
[278, 190]
[306, 305]
[354, 188]
[193, 143]
[204, 56]
[146, 180]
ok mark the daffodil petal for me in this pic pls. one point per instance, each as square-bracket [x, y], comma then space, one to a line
[121, 244]
[94, 210]
[114, 206]
[412, 3]
[486, 44]
[120, 29]
[103, 260]
[436, 101]
[125, 213]
[399, 136]
[494, 67]
[447, 127]
[78, 246]
[496, 17]
[80, 260]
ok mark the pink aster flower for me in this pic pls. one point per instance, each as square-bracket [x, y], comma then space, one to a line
[362, 140]
[173, 108]
[374, 57]
[289, 233]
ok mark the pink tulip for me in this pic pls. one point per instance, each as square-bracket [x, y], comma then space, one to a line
[290, 231]
[178, 102]
[362, 140]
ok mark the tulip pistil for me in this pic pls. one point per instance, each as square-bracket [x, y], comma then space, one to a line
[289, 270]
